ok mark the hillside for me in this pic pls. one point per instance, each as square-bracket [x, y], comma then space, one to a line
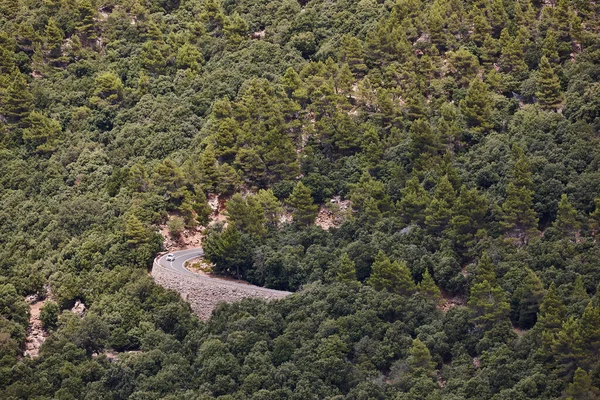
[424, 174]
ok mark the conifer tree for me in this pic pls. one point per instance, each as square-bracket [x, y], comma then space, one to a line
[393, 277]
[595, 219]
[346, 270]
[485, 270]
[209, 171]
[476, 106]
[566, 218]
[270, 205]
[589, 327]
[566, 346]
[87, 14]
[428, 287]
[302, 203]
[419, 360]
[581, 388]
[518, 217]
[201, 207]
[578, 298]
[54, 38]
[18, 104]
[439, 210]
[467, 218]
[488, 304]
[152, 59]
[549, 92]
[526, 300]
[553, 311]
[352, 53]
[424, 143]
[247, 213]
[42, 134]
[135, 231]
[511, 58]
[414, 201]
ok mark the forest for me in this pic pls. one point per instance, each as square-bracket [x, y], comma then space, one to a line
[465, 134]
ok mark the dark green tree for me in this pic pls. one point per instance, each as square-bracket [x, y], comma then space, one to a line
[391, 276]
[304, 210]
[549, 92]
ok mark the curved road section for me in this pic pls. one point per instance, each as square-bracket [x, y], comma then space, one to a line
[201, 291]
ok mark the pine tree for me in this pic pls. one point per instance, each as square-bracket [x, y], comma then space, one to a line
[595, 219]
[209, 171]
[582, 388]
[526, 300]
[271, 206]
[553, 311]
[414, 201]
[488, 304]
[201, 207]
[467, 218]
[54, 38]
[424, 143]
[344, 80]
[565, 347]
[476, 106]
[135, 231]
[518, 217]
[393, 277]
[346, 270]
[511, 58]
[18, 104]
[151, 58]
[352, 53]
[87, 13]
[589, 331]
[549, 92]
[566, 218]
[578, 298]
[551, 317]
[485, 271]
[439, 210]
[428, 287]
[235, 28]
[247, 214]
[419, 360]
[302, 203]
[42, 134]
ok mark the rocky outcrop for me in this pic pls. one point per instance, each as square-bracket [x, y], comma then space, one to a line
[36, 335]
[203, 294]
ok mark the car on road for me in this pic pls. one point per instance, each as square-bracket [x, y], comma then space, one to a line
[170, 257]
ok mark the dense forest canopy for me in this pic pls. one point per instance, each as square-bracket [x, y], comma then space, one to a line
[464, 133]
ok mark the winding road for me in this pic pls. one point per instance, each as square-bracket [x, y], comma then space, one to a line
[178, 266]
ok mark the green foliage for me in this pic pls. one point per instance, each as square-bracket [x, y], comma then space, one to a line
[304, 210]
[49, 315]
[391, 276]
[116, 116]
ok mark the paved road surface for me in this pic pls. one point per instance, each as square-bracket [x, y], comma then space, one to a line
[178, 266]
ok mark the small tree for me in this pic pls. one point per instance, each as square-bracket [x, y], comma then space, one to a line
[176, 226]
[549, 93]
[304, 210]
[49, 315]
[393, 277]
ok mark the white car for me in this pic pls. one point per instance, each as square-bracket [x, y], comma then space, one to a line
[170, 257]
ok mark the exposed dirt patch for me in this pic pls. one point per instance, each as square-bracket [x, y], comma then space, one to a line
[332, 215]
[449, 301]
[36, 335]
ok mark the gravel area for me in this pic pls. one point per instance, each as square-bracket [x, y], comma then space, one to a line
[203, 294]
